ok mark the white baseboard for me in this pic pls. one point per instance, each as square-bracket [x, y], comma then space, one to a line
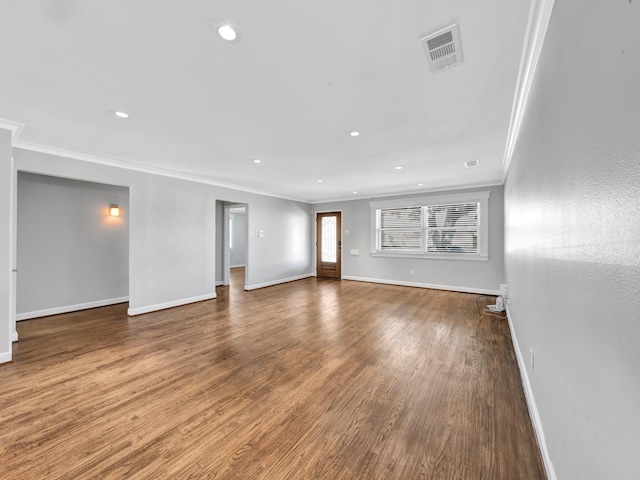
[277, 282]
[453, 288]
[238, 266]
[5, 357]
[175, 303]
[14, 337]
[70, 308]
[220, 284]
[531, 404]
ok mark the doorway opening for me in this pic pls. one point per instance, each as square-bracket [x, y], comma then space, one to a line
[232, 245]
[329, 244]
[72, 245]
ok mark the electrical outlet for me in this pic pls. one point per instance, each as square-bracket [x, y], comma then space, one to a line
[532, 359]
[412, 272]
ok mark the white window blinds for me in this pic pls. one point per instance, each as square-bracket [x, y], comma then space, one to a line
[452, 228]
[447, 226]
[401, 228]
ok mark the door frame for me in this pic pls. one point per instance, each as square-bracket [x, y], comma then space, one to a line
[226, 253]
[315, 238]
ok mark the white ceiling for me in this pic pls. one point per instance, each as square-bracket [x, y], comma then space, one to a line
[300, 77]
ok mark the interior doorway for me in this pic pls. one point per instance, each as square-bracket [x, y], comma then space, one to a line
[235, 250]
[329, 244]
[75, 259]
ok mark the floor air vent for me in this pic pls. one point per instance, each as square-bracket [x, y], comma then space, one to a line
[443, 48]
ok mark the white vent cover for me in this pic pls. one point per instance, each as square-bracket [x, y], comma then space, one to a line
[442, 48]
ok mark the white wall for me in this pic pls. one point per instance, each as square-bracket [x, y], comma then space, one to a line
[71, 253]
[238, 252]
[220, 230]
[464, 275]
[572, 239]
[172, 231]
[6, 180]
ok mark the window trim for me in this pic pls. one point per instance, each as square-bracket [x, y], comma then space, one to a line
[483, 224]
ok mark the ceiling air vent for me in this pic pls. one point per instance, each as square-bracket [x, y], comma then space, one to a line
[442, 48]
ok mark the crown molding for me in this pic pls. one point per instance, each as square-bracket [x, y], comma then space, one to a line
[15, 127]
[137, 167]
[539, 16]
[423, 191]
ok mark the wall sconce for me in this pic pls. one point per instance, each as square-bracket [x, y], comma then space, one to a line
[114, 210]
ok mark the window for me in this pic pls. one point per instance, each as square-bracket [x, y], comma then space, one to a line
[445, 226]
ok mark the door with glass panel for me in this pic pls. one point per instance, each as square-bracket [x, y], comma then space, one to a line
[328, 244]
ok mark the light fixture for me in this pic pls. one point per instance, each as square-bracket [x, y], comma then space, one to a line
[121, 114]
[227, 33]
[355, 192]
[398, 168]
[472, 163]
[421, 184]
[114, 210]
[256, 160]
[319, 181]
[354, 133]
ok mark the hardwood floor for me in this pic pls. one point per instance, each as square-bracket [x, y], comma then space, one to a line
[314, 379]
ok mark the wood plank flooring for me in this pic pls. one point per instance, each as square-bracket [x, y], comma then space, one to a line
[314, 379]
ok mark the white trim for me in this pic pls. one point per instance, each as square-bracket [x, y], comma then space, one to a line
[70, 308]
[408, 193]
[5, 357]
[237, 266]
[453, 288]
[531, 404]
[431, 200]
[220, 284]
[175, 303]
[13, 241]
[137, 167]
[431, 256]
[278, 282]
[15, 127]
[539, 16]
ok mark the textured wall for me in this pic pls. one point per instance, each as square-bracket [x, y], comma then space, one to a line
[572, 239]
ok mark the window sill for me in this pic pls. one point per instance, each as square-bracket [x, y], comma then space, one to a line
[432, 256]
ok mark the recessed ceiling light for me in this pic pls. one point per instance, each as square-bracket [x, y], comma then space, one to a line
[354, 133]
[121, 114]
[257, 160]
[472, 163]
[319, 181]
[421, 184]
[398, 168]
[354, 192]
[227, 33]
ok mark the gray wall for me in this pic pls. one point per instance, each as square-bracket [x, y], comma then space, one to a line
[172, 231]
[572, 239]
[465, 275]
[6, 180]
[238, 252]
[71, 254]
